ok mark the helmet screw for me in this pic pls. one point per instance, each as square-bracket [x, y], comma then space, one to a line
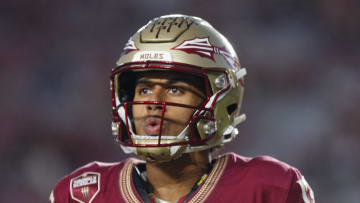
[210, 127]
[220, 81]
[114, 128]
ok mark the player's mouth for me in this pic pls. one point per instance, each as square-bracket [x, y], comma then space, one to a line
[152, 125]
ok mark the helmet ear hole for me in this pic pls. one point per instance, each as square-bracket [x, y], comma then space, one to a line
[227, 136]
[231, 108]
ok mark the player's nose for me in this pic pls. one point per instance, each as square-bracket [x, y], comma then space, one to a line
[153, 107]
[156, 96]
[158, 93]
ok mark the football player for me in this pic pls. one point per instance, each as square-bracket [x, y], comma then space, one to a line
[176, 96]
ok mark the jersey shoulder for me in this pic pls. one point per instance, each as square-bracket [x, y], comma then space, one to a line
[264, 169]
[87, 181]
[270, 176]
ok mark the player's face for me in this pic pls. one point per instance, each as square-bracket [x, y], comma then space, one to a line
[168, 87]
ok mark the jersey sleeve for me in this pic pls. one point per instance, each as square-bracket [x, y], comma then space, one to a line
[300, 190]
[60, 193]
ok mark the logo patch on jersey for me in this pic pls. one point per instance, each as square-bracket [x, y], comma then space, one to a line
[129, 47]
[203, 48]
[85, 187]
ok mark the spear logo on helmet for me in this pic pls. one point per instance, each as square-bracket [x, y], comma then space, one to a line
[203, 48]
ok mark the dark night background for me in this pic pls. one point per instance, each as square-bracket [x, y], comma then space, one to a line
[302, 92]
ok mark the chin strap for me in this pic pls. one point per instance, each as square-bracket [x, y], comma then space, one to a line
[128, 150]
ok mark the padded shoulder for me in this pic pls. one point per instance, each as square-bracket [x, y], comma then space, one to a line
[264, 169]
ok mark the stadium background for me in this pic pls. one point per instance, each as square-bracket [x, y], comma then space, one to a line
[302, 90]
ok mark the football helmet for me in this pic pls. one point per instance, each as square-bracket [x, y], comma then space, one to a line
[187, 45]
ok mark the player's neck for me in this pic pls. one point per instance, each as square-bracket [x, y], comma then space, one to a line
[172, 180]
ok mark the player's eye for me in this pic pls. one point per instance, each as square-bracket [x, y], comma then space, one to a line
[175, 90]
[144, 90]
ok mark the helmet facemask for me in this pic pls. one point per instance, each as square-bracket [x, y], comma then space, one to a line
[158, 129]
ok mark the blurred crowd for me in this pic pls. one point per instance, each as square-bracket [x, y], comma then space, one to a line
[302, 93]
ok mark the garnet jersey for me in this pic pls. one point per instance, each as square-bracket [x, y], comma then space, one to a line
[233, 178]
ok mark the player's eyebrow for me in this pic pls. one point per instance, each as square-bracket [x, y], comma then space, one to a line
[171, 81]
[142, 81]
[167, 82]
